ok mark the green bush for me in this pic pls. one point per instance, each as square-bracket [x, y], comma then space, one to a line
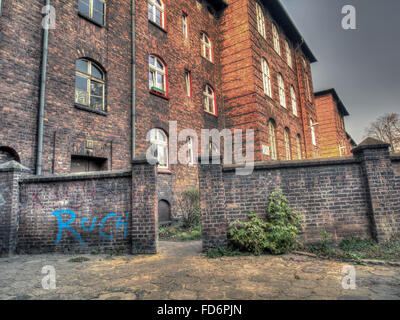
[190, 208]
[277, 235]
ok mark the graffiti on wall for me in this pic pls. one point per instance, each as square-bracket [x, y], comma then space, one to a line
[65, 225]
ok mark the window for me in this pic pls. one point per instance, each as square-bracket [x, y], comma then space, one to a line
[188, 83]
[286, 135]
[190, 150]
[185, 25]
[307, 85]
[89, 85]
[342, 150]
[93, 9]
[266, 77]
[156, 12]
[275, 35]
[157, 75]
[209, 100]
[260, 20]
[288, 54]
[272, 139]
[206, 47]
[298, 144]
[281, 85]
[87, 164]
[313, 138]
[159, 147]
[294, 103]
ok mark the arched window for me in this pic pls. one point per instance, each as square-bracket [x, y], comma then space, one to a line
[307, 85]
[272, 139]
[93, 9]
[298, 145]
[8, 154]
[209, 100]
[156, 12]
[206, 47]
[89, 85]
[287, 144]
[275, 36]
[294, 100]
[312, 128]
[288, 54]
[281, 85]
[260, 20]
[159, 143]
[266, 77]
[157, 75]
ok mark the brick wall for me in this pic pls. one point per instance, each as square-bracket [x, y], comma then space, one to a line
[355, 196]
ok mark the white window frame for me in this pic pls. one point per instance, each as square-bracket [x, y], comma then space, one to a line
[288, 54]
[294, 100]
[89, 3]
[155, 71]
[298, 143]
[185, 26]
[272, 140]
[275, 35]
[209, 100]
[286, 134]
[190, 151]
[154, 6]
[313, 136]
[260, 20]
[282, 94]
[188, 83]
[266, 77]
[206, 47]
[159, 141]
[308, 90]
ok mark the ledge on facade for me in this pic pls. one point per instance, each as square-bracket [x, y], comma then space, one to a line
[211, 159]
[296, 163]
[85, 108]
[13, 166]
[370, 143]
[143, 159]
[77, 176]
[395, 156]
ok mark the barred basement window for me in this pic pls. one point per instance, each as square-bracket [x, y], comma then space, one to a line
[206, 47]
[272, 139]
[275, 35]
[260, 20]
[93, 9]
[156, 12]
[209, 100]
[298, 144]
[266, 77]
[281, 85]
[294, 103]
[157, 75]
[287, 144]
[89, 85]
[159, 147]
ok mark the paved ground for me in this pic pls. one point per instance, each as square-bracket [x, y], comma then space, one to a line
[181, 272]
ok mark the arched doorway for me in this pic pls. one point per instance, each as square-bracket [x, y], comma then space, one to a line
[164, 212]
[8, 154]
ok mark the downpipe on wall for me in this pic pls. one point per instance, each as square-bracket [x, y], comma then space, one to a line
[133, 107]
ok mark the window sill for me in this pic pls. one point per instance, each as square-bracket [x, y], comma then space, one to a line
[91, 20]
[164, 171]
[159, 94]
[85, 108]
[211, 114]
[209, 61]
[158, 26]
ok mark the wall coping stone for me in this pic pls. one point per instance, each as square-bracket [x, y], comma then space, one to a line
[13, 166]
[142, 159]
[77, 176]
[297, 163]
[370, 143]
[395, 156]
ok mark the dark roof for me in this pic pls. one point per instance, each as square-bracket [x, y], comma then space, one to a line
[340, 105]
[218, 4]
[352, 141]
[279, 13]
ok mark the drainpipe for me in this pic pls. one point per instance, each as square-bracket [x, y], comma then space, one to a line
[42, 96]
[133, 111]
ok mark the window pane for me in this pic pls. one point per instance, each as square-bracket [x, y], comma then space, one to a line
[83, 8]
[159, 65]
[96, 89]
[98, 5]
[151, 79]
[158, 17]
[82, 66]
[81, 90]
[98, 17]
[96, 103]
[151, 60]
[150, 11]
[96, 72]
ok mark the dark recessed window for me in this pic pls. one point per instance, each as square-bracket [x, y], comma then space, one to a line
[87, 164]
[93, 9]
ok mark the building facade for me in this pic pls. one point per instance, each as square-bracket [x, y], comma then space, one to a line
[335, 141]
[112, 75]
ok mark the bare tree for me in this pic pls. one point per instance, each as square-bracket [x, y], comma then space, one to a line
[387, 129]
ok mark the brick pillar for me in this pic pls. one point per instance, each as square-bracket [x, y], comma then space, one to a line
[212, 203]
[380, 183]
[10, 173]
[144, 231]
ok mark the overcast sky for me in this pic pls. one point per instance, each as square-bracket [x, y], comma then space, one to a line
[363, 65]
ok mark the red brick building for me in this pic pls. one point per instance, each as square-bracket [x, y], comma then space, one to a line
[117, 69]
[335, 141]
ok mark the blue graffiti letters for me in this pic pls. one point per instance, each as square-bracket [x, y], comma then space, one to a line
[66, 225]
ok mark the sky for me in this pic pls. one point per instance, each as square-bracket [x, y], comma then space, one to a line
[363, 65]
